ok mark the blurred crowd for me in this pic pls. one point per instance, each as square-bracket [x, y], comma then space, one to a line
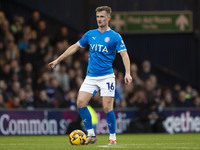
[27, 82]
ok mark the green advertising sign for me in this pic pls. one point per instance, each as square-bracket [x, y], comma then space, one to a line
[152, 22]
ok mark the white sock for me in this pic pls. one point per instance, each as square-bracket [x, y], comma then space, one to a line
[112, 136]
[90, 132]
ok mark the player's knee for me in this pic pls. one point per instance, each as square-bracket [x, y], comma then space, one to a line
[80, 103]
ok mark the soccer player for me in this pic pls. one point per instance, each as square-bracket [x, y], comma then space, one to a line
[103, 45]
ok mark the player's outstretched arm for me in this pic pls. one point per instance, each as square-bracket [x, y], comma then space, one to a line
[126, 61]
[71, 50]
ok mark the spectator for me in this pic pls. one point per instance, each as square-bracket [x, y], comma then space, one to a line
[69, 100]
[61, 47]
[134, 72]
[14, 66]
[43, 46]
[22, 97]
[27, 73]
[43, 80]
[15, 78]
[28, 34]
[119, 90]
[34, 20]
[24, 100]
[182, 101]
[48, 55]
[30, 55]
[43, 100]
[14, 102]
[78, 81]
[128, 91]
[138, 100]
[68, 62]
[3, 90]
[2, 102]
[62, 77]
[158, 92]
[55, 93]
[79, 72]
[14, 90]
[77, 64]
[145, 70]
[18, 22]
[188, 90]
[4, 25]
[5, 73]
[24, 37]
[168, 98]
[153, 80]
[11, 50]
[43, 51]
[84, 63]
[2, 53]
[175, 90]
[29, 93]
[149, 89]
[72, 78]
[41, 31]
[63, 34]
[196, 102]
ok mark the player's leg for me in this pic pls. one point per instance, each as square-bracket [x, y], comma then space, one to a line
[110, 117]
[85, 94]
[82, 102]
[107, 87]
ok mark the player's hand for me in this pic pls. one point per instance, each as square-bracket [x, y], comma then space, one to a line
[53, 63]
[127, 79]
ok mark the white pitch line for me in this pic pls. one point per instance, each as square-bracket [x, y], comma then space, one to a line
[139, 147]
[148, 146]
[135, 144]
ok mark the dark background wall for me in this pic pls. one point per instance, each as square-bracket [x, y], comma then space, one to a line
[174, 57]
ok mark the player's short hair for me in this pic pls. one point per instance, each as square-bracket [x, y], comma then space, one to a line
[104, 8]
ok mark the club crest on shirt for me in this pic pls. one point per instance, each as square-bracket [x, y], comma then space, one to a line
[107, 39]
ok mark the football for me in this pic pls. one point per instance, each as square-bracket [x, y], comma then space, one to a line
[77, 137]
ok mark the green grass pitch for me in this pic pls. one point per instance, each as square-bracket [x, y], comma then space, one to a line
[125, 141]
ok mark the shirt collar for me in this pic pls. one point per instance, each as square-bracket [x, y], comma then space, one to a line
[106, 30]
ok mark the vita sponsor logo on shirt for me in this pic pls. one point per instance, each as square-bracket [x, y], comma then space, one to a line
[99, 47]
